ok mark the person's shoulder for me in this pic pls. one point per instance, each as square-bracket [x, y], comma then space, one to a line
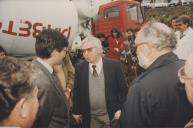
[190, 32]
[111, 61]
[140, 86]
[190, 29]
[44, 82]
[80, 64]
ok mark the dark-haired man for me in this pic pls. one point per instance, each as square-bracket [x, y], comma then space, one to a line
[51, 48]
[184, 37]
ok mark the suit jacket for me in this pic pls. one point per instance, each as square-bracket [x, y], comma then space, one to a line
[53, 111]
[115, 89]
[154, 99]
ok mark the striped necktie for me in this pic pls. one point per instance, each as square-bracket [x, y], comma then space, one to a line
[95, 74]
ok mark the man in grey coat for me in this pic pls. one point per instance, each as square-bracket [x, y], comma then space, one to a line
[154, 99]
[51, 48]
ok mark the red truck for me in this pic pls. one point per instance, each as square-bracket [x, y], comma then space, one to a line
[122, 14]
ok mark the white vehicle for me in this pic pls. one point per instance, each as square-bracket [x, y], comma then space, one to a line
[146, 3]
[159, 3]
[22, 20]
[174, 3]
[185, 2]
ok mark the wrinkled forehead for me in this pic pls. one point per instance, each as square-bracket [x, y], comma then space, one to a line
[91, 43]
[87, 45]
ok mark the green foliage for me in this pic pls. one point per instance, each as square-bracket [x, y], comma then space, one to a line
[165, 14]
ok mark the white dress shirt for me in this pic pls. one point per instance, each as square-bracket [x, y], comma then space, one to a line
[99, 66]
[49, 67]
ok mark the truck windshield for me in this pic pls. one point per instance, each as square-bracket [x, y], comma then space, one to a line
[111, 12]
[134, 13]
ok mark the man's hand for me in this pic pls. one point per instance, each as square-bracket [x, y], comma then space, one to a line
[78, 118]
[67, 93]
[117, 114]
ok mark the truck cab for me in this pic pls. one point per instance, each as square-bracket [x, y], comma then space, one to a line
[122, 14]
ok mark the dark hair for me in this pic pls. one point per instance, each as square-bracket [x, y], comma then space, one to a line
[130, 29]
[48, 41]
[174, 18]
[101, 35]
[116, 30]
[2, 50]
[16, 82]
[185, 19]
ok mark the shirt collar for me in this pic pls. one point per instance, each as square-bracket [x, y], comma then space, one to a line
[49, 67]
[99, 66]
[186, 31]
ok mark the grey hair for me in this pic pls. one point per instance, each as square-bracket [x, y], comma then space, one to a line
[158, 34]
[92, 40]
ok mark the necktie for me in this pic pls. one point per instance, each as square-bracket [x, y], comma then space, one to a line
[181, 35]
[95, 74]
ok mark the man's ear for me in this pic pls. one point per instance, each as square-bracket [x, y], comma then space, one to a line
[53, 53]
[23, 108]
[182, 80]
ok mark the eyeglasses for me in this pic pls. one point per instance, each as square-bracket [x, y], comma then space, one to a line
[181, 74]
[88, 50]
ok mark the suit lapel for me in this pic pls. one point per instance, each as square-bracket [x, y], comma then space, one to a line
[106, 76]
[52, 78]
[86, 79]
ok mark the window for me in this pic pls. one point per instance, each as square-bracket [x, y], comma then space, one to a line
[111, 12]
[140, 16]
[131, 13]
[95, 18]
[134, 13]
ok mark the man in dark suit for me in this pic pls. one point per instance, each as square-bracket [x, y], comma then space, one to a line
[100, 88]
[154, 99]
[51, 48]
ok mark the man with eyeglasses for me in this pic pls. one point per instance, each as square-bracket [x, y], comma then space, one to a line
[184, 37]
[153, 99]
[186, 77]
[51, 48]
[99, 89]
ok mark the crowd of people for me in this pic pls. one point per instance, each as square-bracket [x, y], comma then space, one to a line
[143, 78]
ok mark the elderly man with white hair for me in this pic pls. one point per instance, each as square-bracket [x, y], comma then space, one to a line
[153, 99]
[99, 89]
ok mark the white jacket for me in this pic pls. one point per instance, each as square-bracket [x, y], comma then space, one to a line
[185, 44]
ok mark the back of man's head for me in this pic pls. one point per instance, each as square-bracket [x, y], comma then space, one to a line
[17, 81]
[158, 34]
[48, 41]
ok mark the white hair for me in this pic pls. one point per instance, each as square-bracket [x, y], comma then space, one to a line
[92, 41]
[159, 34]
